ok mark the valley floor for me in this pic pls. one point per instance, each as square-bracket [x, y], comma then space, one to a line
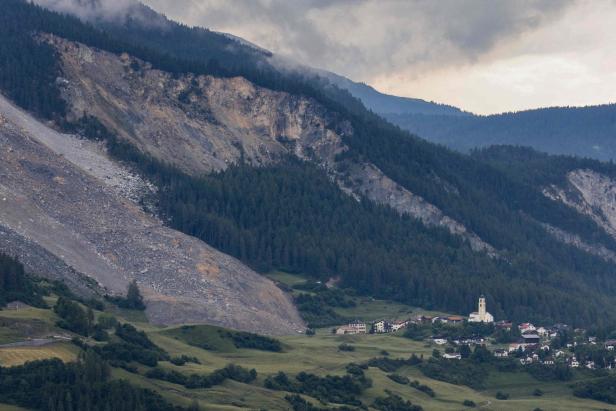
[318, 354]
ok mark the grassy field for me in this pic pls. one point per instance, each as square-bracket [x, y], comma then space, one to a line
[318, 354]
[19, 355]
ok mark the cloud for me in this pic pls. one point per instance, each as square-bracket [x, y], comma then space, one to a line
[106, 10]
[484, 56]
[366, 38]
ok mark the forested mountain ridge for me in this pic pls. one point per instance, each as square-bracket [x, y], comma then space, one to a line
[174, 115]
[580, 131]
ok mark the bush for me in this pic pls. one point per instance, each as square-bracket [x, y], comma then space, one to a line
[423, 388]
[183, 359]
[133, 299]
[462, 372]
[392, 364]
[469, 403]
[107, 321]
[346, 347]
[537, 392]
[73, 317]
[394, 402]
[252, 341]
[343, 390]
[400, 379]
[502, 396]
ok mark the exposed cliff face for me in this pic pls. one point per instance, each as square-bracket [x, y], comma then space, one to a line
[204, 123]
[68, 211]
[591, 194]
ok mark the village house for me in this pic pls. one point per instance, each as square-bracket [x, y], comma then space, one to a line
[609, 345]
[517, 346]
[499, 353]
[530, 338]
[439, 340]
[504, 325]
[455, 319]
[481, 315]
[397, 325]
[356, 327]
[381, 327]
[452, 356]
[526, 327]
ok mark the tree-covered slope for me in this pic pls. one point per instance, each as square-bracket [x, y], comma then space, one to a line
[288, 215]
[582, 131]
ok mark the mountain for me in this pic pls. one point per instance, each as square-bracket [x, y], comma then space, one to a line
[579, 131]
[386, 103]
[281, 171]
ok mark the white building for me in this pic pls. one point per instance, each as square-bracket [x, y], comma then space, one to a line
[396, 325]
[380, 327]
[353, 328]
[481, 316]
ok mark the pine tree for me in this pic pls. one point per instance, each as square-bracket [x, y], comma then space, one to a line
[134, 300]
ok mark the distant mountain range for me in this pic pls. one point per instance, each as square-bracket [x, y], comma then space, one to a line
[579, 131]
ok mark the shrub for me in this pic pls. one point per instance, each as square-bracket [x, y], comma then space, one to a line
[469, 403]
[502, 396]
[400, 379]
[346, 347]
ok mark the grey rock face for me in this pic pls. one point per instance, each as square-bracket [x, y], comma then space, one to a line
[592, 194]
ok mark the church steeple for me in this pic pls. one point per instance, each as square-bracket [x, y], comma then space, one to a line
[482, 308]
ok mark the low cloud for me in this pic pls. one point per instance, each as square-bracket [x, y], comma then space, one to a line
[89, 10]
[365, 38]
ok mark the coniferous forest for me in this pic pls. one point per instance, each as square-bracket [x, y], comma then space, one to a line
[291, 217]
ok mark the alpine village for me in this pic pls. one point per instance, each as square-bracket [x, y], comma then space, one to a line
[247, 205]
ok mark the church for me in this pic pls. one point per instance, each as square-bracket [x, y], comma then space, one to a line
[481, 316]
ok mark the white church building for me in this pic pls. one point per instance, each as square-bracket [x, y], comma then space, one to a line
[481, 316]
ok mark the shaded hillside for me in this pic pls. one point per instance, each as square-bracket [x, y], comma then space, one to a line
[152, 106]
[582, 131]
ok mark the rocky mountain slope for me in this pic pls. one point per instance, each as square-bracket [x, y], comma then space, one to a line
[197, 101]
[70, 212]
[590, 193]
[203, 123]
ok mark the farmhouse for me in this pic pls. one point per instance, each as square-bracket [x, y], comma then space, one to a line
[530, 338]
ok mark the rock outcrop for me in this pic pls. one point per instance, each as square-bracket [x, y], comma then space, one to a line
[590, 193]
[203, 123]
[594, 195]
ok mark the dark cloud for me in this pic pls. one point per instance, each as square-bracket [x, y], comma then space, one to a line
[365, 38]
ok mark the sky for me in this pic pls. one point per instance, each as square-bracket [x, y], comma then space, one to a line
[484, 56]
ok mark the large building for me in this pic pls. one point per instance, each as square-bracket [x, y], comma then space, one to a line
[356, 327]
[481, 315]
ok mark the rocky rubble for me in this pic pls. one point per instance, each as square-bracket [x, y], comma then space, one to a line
[75, 206]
